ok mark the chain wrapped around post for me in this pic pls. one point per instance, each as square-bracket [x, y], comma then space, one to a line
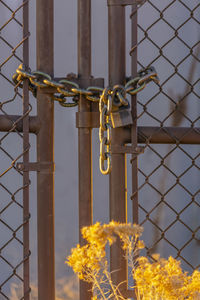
[64, 88]
[110, 99]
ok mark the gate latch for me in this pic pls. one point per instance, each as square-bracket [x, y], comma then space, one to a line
[119, 149]
[36, 166]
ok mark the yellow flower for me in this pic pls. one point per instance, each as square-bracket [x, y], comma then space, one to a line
[162, 279]
[140, 244]
[156, 256]
[90, 260]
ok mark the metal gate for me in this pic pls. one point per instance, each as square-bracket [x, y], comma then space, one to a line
[165, 123]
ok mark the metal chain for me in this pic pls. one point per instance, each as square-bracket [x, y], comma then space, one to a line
[110, 99]
[68, 89]
[64, 88]
[105, 108]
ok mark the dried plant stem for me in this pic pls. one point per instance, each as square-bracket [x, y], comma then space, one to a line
[131, 254]
[95, 282]
[107, 274]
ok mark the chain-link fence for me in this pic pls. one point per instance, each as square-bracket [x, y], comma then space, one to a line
[14, 147]
[168, 173]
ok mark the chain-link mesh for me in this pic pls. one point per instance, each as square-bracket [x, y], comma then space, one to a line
[14, 147]
[168, 175]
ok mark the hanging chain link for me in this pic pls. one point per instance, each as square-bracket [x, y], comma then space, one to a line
[105, 108]
[110, 99]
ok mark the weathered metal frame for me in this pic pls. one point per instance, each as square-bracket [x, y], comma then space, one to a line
[84, 134]
[117, 178]
[26, 214]
[45, 153]
[155, 135]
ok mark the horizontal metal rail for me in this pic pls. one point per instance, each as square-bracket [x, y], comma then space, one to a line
[154, 135]
[11, 122]
[168, 135]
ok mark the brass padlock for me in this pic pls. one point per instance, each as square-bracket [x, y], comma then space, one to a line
[121, 114]
[121, 117]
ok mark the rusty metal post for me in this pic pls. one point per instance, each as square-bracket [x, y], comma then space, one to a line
[134, 160]
[84, 134]
[26, 251]
[45, 139]
[118, 192]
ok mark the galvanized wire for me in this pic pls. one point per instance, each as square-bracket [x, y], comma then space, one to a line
[14, 147]
[168, 198]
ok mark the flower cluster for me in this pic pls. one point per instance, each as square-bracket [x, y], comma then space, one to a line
[89, 262]
[99, 235]
[164, 279]
[158, 280]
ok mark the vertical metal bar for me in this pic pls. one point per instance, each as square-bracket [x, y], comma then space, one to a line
[26, 252]
[84, 134]
[134, 159]
[118, 197]
[45, 153]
